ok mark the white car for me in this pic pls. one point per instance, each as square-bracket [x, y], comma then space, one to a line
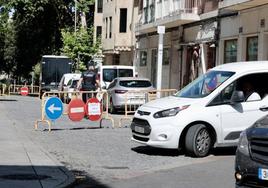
[209, 112]
[130, 90]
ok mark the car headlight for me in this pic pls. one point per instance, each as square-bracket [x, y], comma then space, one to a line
[243, 143]
[169, 112]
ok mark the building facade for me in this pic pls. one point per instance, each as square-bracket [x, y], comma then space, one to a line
[244, 35]
[117, 31]
[191, 28]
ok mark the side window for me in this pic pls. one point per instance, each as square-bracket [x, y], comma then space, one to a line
[226, 94]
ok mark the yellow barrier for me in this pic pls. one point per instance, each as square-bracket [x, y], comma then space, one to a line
[15, 89]
[134, 99]
[76, 94]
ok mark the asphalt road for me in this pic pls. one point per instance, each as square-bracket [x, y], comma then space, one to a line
[107, 158]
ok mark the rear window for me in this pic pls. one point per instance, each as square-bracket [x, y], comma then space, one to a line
[125, 73]
[135, 83]
[109, 74]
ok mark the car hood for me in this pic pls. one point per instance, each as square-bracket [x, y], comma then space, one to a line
[169, 102]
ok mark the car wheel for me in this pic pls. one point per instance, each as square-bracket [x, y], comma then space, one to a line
[198, 141]
[111, 107]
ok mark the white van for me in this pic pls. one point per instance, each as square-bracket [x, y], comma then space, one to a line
[106, 73]
[66, 78]
[209, 112]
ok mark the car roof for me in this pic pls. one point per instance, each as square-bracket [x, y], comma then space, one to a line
[131, 78]
[117, 66]
[240, 67]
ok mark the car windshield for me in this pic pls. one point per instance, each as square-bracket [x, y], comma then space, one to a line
[74, 84]
[205, 84]
[135, 83]
[125, 73]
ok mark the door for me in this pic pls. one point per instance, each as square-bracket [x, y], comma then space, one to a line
[239, 116]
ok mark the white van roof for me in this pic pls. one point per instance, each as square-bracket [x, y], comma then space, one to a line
[117, 66]
[240, 67]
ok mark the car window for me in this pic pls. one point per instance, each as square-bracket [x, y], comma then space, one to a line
[109, 75]
[69, 82]
[125, 73]
[135, 83]
[74, 84]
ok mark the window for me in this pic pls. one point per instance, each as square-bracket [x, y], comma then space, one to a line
[166, 56]
[109, 74]
[135, 83]
[230, 51]
[125, 73]
[123, 20]
[110, 32]
[99, 6]
[152, 11]
[106, 29]
[98, 32]
[143, 58]
[252, 48]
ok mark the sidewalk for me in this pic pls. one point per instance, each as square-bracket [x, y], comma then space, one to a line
[24, 164]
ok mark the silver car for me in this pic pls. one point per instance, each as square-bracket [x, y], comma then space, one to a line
[127, 90]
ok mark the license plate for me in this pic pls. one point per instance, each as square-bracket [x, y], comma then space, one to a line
[263, 174]
[139, 129]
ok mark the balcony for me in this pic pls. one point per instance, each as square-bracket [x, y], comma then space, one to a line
[237, 5]
[169, 15]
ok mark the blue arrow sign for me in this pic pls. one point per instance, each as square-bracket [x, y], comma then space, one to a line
[53, 108]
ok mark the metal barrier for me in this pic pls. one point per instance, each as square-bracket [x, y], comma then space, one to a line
[3, 89]
[134, 99]
[15, 89]
[76, 94]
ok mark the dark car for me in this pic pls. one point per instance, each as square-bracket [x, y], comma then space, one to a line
[251, 165]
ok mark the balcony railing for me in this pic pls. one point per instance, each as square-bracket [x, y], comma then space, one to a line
[238, 5]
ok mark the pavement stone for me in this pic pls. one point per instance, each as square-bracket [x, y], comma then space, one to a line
[23, 163]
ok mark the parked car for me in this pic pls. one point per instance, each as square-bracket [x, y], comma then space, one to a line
[107, 73]
[251, 164]
[66, 83]
[120, 86]
[71, 87]
[211, 111]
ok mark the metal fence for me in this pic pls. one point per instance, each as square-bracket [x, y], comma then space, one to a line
[15, 89]
[134, 99]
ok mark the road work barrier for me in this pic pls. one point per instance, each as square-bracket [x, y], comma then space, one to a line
[3, 89]
[96, 107]
[21, 90]
[134, 99]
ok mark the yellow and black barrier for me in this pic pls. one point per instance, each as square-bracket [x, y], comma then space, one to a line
[134, 99]
[101, 95]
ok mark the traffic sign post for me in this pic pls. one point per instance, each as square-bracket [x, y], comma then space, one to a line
[24, 91]
[93, 109]
[53, 108]
[76, 110]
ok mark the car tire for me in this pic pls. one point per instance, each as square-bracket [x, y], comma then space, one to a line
[198, 141]
[111, 107]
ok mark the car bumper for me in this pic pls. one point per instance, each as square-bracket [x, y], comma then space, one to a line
[249, 168]
[160, 135]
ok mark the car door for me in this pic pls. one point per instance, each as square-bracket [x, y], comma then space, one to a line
[239, 116]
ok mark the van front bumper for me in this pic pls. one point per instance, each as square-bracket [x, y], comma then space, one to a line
[160, 136]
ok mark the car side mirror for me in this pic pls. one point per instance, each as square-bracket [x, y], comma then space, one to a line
[237, 97]
[104, 87]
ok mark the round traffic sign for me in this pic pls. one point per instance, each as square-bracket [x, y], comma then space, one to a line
[53, 108]
[93, 109]
[24, 91]
[76, 110]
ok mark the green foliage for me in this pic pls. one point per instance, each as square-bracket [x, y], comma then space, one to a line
[79, 46]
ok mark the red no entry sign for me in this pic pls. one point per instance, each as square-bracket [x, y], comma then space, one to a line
[93, 109]
[76, 110]
[24, 91]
